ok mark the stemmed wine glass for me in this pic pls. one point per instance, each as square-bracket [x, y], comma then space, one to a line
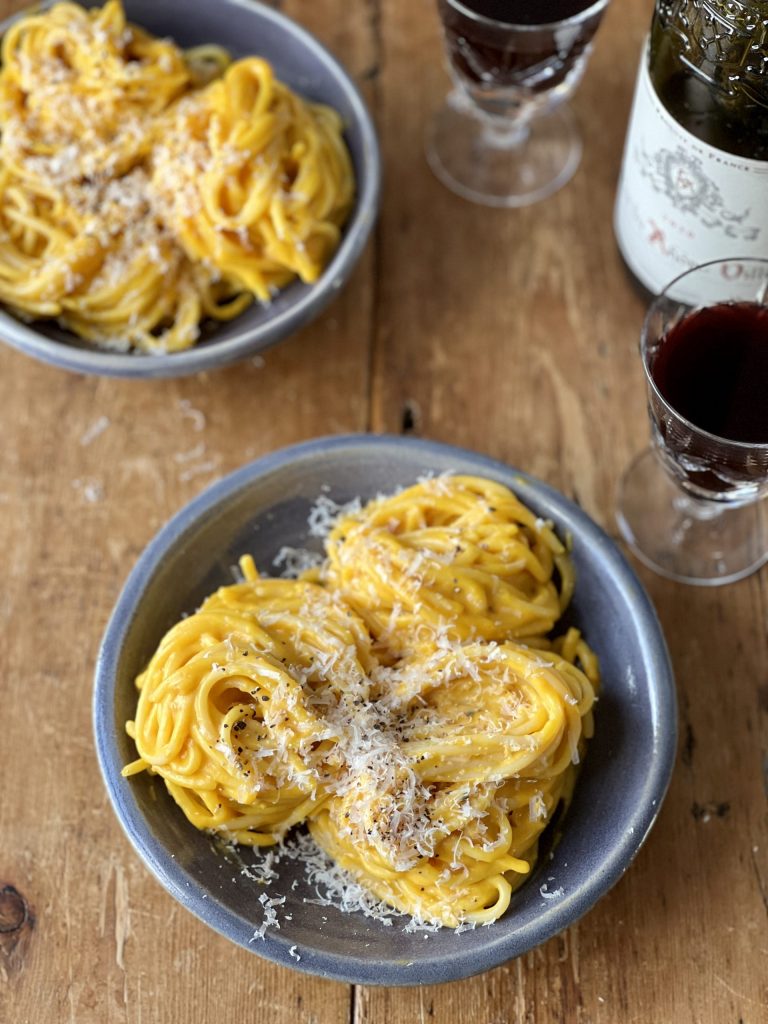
[504, 136]
[690, 505]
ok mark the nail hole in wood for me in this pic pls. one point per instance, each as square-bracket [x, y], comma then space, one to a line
[411, 417]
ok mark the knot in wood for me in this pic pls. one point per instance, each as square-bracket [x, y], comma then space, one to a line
[14, 911]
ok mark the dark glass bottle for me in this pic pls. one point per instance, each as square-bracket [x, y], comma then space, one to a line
[694, 184]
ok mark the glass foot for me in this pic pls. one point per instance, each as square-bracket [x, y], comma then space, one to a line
[498, 162]
[684, 538]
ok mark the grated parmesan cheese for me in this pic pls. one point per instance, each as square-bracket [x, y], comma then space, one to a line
[195, 415]
[554, 894]
[325, 512]
[295, 561]
[95, 430]
[271, 919]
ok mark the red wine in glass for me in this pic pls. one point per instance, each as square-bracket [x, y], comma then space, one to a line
[691, 506]
[711, 368]
[505, 135]
[485, 54]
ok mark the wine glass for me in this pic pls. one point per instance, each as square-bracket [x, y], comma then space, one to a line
[504, 136]
[691, 506]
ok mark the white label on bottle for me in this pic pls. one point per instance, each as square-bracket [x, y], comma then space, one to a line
[680, 201]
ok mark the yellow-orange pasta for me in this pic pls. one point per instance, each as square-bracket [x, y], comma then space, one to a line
[456, 554]
[488, 735]
[426, 750]
[99, 228]
[254, 179]
[239, 707]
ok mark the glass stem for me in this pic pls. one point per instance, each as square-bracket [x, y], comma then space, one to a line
[505, 132]
[500, 130]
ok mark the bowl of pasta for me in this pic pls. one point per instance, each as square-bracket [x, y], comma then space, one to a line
[183, 184]
[384, 710]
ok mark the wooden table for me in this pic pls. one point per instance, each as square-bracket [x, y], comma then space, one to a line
[514, 333]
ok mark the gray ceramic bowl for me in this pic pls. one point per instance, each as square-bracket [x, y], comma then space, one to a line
[264, 506]
[244, 27]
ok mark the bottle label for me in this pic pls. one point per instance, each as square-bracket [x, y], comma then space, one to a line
[680, 201]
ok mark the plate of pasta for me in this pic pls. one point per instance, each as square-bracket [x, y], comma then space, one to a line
[384, 710]
[181, 184]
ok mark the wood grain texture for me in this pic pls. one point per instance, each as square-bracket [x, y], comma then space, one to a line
[514, 333]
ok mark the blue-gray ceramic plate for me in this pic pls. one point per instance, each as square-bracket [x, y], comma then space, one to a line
[259, 509]
[243, 27]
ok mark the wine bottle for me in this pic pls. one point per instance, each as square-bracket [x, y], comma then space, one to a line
[694, 180]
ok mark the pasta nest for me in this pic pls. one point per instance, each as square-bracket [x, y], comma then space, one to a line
[487, 736]
[254, 179]
[459, 556]
[79, 89]
[239, 707]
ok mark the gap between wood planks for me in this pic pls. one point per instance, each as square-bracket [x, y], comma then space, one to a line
[374, 13]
